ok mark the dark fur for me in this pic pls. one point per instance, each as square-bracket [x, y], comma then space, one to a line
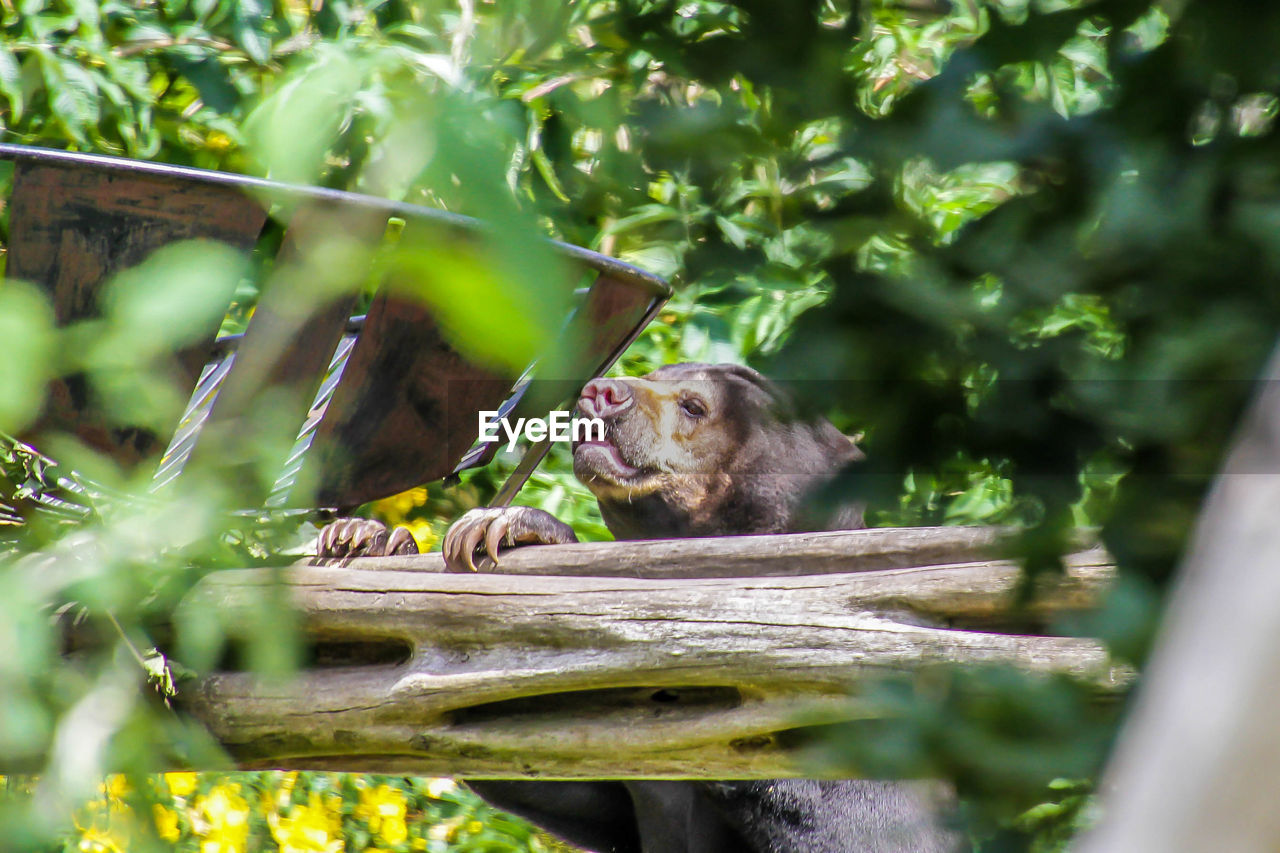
[743, 466]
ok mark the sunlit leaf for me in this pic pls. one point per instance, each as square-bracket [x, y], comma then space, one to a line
[26, 329]
[250, 18]
[72, 95]
[11, 85]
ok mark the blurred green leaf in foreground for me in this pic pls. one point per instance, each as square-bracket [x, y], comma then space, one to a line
[1028, 250]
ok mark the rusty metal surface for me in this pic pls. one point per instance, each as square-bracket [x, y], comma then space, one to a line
[72, 228]
[404, 410]
[286, 351]
[288, 193]
[615, 313]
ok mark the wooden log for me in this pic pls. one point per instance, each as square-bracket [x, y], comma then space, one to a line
[521, 676]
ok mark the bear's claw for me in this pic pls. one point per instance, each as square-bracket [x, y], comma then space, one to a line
[348, 538]
[498, 527]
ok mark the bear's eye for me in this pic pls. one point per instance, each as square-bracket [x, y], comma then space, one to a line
[693, 407]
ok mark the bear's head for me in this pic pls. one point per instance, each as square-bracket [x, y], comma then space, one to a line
[703, 450]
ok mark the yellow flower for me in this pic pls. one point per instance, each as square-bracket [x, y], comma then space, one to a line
[115, 787]
[308, 829]
[180, 784]
[383, 809]
[423, 534]
[222, 820]
[94, 840]
[284, 793]
[393, 510]
[166, 823]
[218, 142]
[393, 831]
[106, 827]
[445, 830]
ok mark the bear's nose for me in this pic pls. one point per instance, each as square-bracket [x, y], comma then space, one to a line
[605, 398]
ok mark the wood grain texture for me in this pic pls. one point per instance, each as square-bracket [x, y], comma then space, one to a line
[738, 556]
[576, 677]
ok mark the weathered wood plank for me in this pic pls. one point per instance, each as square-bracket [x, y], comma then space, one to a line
[573, 676]
[741, 556]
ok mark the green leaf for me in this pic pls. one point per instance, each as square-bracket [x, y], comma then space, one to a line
[660, 259]
[11, 85]
[490, 309]
[548, 172]
[72, 95]
[168, 300]
[734, 233]
[211, 80]
[317, 99]
[131, 75]
[144, 32]
[87, 12]
[26, 327]
[646, 214]
[248, 30]
[50, 27]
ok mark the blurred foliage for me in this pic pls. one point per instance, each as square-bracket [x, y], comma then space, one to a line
[1027, 249]
[289, 811]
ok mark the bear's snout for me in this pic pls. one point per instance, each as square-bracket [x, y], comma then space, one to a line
[605, 398]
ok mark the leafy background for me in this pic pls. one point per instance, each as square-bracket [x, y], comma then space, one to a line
[1026, 249]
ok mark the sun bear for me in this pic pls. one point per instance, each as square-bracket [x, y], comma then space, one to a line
[689, 450]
